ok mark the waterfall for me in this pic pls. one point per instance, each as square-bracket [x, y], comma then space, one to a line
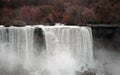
[46, 50]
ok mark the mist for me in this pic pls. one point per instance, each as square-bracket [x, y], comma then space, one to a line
[59, 62]
[107, 54]
[11, 64]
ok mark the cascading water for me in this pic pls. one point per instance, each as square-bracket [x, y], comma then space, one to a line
[45, 50]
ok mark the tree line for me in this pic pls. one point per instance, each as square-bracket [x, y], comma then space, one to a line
[59, 11]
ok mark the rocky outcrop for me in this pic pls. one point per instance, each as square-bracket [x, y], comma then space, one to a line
[85, 73]
[88, 73]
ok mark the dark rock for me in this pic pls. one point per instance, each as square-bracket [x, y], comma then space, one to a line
[88, 73]
[85, 73]
[18, 23]
[39, 41]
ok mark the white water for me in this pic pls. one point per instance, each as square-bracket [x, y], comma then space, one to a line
[68, 49]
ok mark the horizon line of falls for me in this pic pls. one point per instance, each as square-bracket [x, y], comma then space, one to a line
[45, 50]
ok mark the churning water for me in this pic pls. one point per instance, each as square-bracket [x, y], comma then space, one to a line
[45, 50]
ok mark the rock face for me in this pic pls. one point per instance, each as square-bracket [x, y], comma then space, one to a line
[88, 73]
[18, 23]
[85, 73]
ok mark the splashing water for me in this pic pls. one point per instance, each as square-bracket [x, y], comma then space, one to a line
[45, 50]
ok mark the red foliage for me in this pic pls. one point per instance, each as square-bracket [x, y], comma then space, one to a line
[116, 12]
[48, 14]
[6, 15]
[64, 11]
[78, 14]
[30, 15]
[66, 19]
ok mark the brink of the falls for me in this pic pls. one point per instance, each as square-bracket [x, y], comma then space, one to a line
[45, 50]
